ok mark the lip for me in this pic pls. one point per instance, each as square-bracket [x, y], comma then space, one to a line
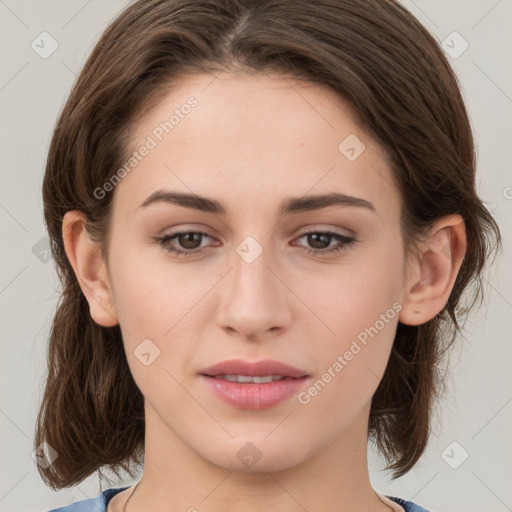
[251, 395]
[253, 369]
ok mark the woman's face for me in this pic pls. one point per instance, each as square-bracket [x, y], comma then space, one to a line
[262, 282]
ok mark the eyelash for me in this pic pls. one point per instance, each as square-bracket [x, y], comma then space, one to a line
[346, 241]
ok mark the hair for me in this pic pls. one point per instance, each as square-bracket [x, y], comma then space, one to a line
[378, 59]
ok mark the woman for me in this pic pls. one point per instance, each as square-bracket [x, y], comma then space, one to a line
[264, 216]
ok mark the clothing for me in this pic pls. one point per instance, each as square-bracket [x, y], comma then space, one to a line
[100, 503]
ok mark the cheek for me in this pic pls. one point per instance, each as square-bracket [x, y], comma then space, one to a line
[151, 311]
[351, 367]
[355, 295]
[360, 307]
[149, 295]
[158, 302]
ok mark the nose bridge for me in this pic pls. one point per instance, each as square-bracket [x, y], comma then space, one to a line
[254, 302]
[251, 268]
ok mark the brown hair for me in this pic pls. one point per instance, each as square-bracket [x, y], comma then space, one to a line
[376, 57]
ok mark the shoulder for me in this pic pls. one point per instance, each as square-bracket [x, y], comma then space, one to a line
[408, 506]
[98, 504]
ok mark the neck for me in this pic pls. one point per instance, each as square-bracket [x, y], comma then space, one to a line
[335, 478]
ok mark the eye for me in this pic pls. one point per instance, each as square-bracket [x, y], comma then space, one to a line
[321, 240]
[190, 240]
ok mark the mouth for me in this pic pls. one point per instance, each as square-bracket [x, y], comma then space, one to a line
[242, 369]
[249, 385]
[247, 379]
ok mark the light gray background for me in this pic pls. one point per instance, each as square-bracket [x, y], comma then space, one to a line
[477, 411]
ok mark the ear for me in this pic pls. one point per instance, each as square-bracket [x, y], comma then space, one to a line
[89, 267]
[433, 271]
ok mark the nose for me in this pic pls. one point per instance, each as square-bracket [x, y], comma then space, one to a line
[255, 302]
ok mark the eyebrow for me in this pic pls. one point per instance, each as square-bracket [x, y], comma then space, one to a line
[290, 205]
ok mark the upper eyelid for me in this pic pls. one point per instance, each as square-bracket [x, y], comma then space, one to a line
[308, 229]
[305, 231]
[320, 229]
[302, 232]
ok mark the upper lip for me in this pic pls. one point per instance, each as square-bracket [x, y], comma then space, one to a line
[253, 369]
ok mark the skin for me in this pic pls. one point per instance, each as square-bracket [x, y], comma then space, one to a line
[252, 141]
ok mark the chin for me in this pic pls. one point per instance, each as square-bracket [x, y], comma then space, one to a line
[244, 456]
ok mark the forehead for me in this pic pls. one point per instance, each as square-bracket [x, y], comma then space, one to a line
[242, 137]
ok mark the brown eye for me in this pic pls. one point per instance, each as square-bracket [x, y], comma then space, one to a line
[189, 240]
[321, 240]
[185, 242]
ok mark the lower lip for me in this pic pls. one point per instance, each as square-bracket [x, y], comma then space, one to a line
[254, 396]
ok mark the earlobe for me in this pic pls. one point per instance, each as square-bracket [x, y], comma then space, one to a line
[435, 271]
[90, 269]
